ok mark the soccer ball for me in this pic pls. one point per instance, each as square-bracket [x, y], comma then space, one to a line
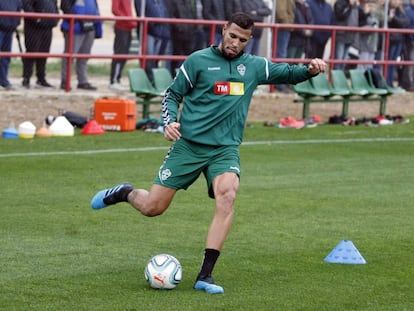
[163, 272]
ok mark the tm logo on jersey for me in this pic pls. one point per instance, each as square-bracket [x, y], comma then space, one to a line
[229, 88]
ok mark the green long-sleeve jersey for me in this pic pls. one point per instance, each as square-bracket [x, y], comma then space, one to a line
[216, 93]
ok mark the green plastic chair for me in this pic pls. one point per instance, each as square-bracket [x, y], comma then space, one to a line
[340, 82]
[359, 82]
[390, 89]
[308, 93]
[144, 90]
[162, 79]
[306, 89]
[321, 82]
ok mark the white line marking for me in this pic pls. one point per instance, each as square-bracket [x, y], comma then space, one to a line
[328, 141]
[248, 143]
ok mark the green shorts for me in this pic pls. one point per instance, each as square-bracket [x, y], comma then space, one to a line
[186, 160]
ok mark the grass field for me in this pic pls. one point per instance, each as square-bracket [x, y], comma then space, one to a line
[302, 192]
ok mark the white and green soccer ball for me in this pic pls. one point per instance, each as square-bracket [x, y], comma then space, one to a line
[163, 271]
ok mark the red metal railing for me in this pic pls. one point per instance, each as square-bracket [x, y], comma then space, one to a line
[143, 57]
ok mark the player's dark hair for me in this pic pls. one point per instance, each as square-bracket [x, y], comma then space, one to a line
[242, 20]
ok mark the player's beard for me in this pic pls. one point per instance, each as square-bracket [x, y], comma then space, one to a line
[228, 56]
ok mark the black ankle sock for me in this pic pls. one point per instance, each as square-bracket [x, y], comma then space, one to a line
[123, 194]
[210, 259]
[119, 196]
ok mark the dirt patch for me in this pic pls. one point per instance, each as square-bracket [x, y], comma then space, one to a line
[34, 105]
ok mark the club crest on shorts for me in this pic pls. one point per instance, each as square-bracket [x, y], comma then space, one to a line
[241, 69]
[165, 174]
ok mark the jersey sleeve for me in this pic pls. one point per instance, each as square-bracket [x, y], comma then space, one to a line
[283, 73]
[182, 85]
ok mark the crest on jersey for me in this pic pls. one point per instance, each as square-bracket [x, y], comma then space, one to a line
[241, 69]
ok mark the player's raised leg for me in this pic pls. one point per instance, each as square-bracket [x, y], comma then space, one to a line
[152, 203]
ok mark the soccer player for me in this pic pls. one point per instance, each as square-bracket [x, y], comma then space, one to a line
[216, 85]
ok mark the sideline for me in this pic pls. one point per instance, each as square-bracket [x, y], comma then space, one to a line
[251, 143]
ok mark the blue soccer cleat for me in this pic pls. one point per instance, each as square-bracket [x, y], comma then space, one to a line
[111, 196]
[208, 286]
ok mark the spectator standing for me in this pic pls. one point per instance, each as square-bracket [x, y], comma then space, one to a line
[285, 14]
[7, 26]
[322, 13]
[346, 13]
[199, 38]
[258, 10]
[379, 14]
[159, 34]
[38, 38]
[233, 6]
[300, 38]
[213, 10]
[407, 79]
[122, 41]
[182, 35]
[85, 32]
[367, 42]
[397, 18]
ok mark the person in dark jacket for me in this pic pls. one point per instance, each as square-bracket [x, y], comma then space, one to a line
[258, 10]
[85, 32]
[159, 34]
[7, 26]
[183, 35]
[300, 38]
[199, 38]
[323, 15]
[38, 38]
[407, 75]
[397, 18]
[213, 10]
[233, 6]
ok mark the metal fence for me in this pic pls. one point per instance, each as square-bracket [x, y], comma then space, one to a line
[142, 57]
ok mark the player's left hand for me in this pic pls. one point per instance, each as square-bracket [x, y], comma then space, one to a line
[316, 66]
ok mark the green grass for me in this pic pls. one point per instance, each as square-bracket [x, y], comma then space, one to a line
[302, 192]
